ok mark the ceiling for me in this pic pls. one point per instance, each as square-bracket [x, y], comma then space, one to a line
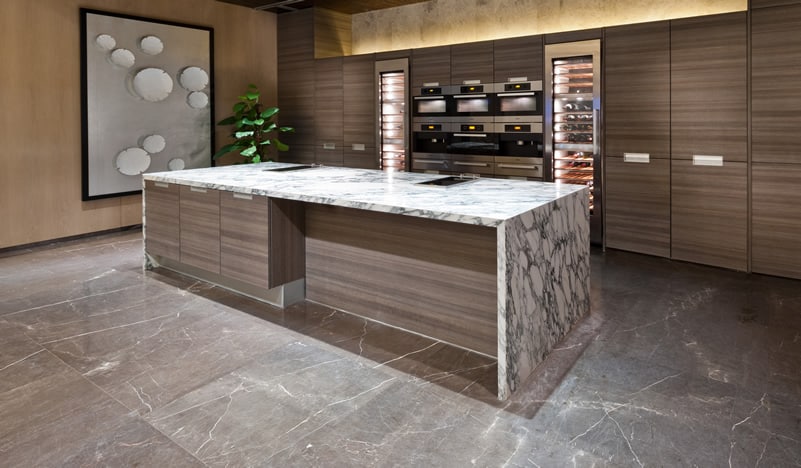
[343, 6]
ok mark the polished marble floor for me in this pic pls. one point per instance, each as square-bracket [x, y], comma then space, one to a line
[102, 364]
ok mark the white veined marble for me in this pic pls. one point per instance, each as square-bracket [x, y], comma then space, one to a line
[485, 202]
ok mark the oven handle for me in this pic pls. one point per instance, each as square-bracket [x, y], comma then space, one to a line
[515, 94]
[468, 96]
[477, 164]
[516, 166]
[474, 135]
[428, 98]
[430, 161]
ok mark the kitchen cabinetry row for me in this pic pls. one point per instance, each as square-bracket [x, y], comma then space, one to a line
[247, 238]
[678, 175]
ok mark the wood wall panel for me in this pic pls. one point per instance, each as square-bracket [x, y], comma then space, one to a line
[637, 90]
[638, 206]
[775, 90]
[163, 231]
[418, 274]
[472, 61]
[709, 96]
[709, 214]
[518, 57]
[328, 117]
[296, 77]
[776, 219]
[200, 228]
[245, 238]
[40, 183]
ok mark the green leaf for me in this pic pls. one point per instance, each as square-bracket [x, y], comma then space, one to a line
[246, 133]
[286, 129]
[227, 121]
[269, 128]
[239, 107]
[226, 149]
[265, 142]
[248, 151]
[256, 159]
[269, 112]
[252, 96]
[280, 146]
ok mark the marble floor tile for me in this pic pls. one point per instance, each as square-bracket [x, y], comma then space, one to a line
[103, 364]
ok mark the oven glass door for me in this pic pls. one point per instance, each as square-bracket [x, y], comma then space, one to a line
[430, 106]
[473, 143]
[473, 105]
[524, 103]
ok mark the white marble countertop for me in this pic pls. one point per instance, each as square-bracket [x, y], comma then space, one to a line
[485, 202]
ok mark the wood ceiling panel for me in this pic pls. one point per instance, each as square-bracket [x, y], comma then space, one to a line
[343, 6]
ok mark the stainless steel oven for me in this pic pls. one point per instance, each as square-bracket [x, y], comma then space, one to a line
[431, 101]
[520, 150]
[519, 99]
[473, 100]
[473, 138]
[430, 146]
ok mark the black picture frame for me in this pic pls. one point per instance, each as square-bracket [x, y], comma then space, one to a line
[140, 93]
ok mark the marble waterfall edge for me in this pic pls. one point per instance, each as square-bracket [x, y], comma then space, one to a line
[543, 284]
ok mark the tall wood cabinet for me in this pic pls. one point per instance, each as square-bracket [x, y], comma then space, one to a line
[709, 140]
[328, 117]
[775, 151]
[296, 84]
[637, 137]
[359, 131]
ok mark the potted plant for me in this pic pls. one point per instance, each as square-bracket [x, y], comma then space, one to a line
[253, 128]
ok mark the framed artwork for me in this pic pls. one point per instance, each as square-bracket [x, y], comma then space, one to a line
[148, 92]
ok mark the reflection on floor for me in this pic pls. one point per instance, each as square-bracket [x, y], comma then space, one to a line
[102, 364]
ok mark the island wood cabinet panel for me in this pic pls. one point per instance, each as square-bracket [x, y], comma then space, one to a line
[245, 238]
[775, 84]
[393, 269]
[709, 214]
[709, 95]
[161, 219]
[472, 61]
[329, 119]
[200, 228]
[518, 57]
[359, 90]
[430, 65]
[638, 206]
[776, 219]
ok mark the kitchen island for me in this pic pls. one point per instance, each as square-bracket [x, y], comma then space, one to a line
[499, 267]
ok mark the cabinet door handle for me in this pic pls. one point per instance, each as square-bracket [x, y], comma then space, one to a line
[517, 166]
[243, 196]
[161, 184]
[468, 96]
[430, 161]
[527, 93]
[637, 157]
[197, 189]
[707, 160]
[477, 164]
[428, 98]
[471, 135]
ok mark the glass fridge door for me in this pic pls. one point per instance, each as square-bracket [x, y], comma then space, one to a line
[392, 120]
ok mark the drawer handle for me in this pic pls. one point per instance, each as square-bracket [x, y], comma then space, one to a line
[637, 157]
[243, 196]
[469, 96]
[707, 160]
[358, 147]
[517, 166]
[197, 189]
[428, 98]
[527, 93]
[329, 146]
[477, 164]
[471, 135]
[430, 161]
[161, 184]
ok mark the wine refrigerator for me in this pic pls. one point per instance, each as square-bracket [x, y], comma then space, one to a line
[393, 120]
[572, 153]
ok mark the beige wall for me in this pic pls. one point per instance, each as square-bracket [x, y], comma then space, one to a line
[40, 105]
[441, 22]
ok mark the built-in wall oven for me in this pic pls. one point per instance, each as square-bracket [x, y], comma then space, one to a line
[473, 100]
[432, 102]
[519, 100]
[430, 146]
[520, 150]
